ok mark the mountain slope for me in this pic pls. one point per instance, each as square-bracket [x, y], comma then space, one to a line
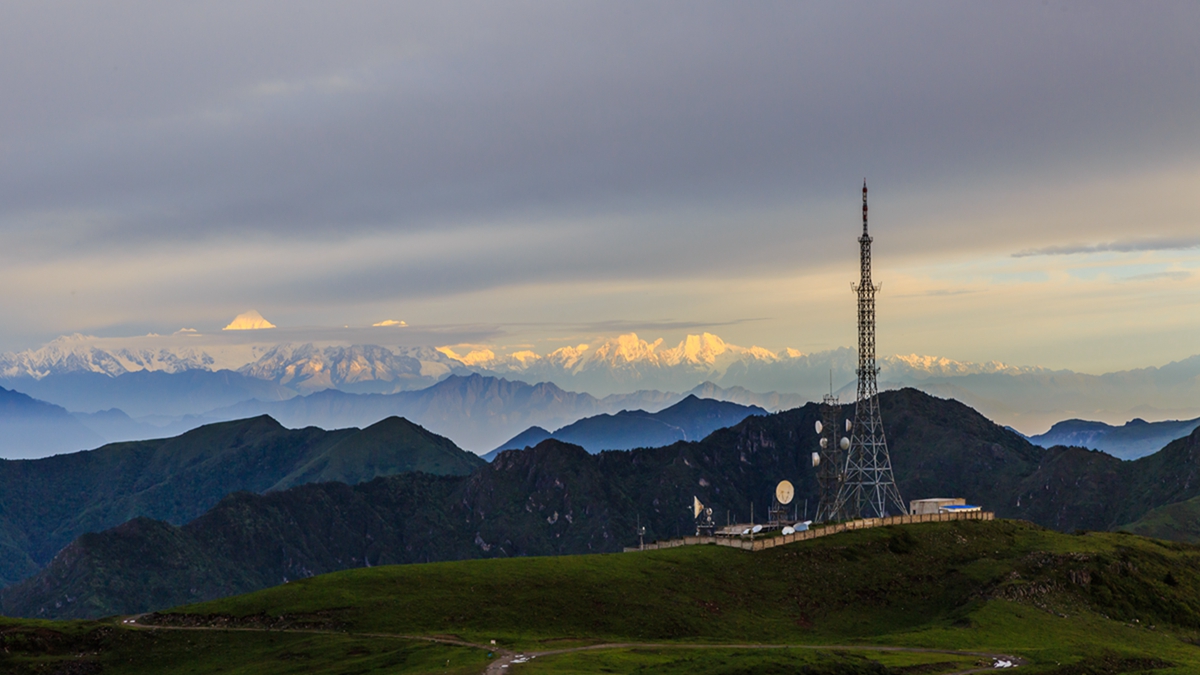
[46, 503]
[372, 452]
[33, 428]
[1179, 521]
[689, 420]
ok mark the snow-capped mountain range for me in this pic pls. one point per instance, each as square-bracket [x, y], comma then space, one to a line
[617, 365]
[1029, 398]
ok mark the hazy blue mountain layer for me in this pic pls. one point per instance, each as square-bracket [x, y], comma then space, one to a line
[689, 420]
[1136, 438]
[143, 393]
[478, 412]
[558, 499]
[33, 428]
[45, 503]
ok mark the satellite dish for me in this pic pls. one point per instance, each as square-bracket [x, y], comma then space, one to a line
[845, 443]
[849, 425]
[697, 507]
[816, 458]
[789, 530]
[820, 426]
[746, 531]
[784, 492]
[756, 529]
[824, 443]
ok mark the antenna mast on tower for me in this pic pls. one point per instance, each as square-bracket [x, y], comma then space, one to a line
[869, 489]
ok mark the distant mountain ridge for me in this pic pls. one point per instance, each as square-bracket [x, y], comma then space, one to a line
[33, 428]
[1136, 438]
[691, 419]
[478, 412]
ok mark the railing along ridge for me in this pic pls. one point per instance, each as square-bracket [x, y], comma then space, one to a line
[769, 541]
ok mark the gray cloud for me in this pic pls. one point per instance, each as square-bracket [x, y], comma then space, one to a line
[488, 146]
[1127, 246]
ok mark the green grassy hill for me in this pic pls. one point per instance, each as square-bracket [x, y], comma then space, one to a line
[1096, 603]
[1179, 522]
[46, 503]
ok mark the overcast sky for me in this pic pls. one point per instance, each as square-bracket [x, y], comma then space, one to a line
[545, 173]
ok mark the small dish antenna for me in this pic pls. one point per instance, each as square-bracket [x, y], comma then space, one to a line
[816, 456]
[820, 427]
[756, 529]
[697, 507]
[788, 530]
[845, 443]
[849, 425]
[784, 492]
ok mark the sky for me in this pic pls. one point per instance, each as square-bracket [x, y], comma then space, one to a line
[537, 174]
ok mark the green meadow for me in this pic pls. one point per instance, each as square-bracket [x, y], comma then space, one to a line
[1068, 604]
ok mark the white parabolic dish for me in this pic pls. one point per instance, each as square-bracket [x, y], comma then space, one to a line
[756, 529]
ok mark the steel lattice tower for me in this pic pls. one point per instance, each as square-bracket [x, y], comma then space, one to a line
[869, 489]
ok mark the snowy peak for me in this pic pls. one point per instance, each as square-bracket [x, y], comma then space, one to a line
[936, 366]
[77, 354]
[361, 368]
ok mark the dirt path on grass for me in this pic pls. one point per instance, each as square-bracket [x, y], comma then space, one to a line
[501, 665]
[505, 657]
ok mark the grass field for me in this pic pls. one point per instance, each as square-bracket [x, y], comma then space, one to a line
[1095, 603]
[57, 647]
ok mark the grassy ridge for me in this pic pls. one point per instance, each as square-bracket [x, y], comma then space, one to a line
[1087, 604]
[997, 586]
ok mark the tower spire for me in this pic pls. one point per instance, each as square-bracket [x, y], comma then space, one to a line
[864, 207]
[869, 489]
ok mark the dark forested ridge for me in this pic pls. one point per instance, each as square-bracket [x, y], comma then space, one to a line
[46, 503]
[555, 499]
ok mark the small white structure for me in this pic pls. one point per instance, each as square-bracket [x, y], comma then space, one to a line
[920, 507]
